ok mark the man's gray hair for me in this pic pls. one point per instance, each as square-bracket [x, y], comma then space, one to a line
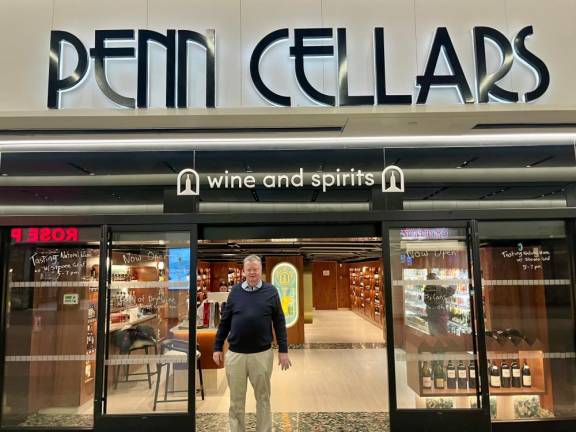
[252, 258]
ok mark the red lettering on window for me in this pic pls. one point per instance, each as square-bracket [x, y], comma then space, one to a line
[45, 234]
[72, 234]
[32, 235]
[58, 234]
[16, 234]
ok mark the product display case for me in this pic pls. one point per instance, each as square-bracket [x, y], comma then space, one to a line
[458, 304]
[525, 292]
[518, 277]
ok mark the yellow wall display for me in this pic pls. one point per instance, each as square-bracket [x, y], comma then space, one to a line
[285, 279]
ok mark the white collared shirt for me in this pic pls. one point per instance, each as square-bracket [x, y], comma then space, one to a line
[246, 287]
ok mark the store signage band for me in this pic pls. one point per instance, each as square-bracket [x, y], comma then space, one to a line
[44, 234]
[176, 43]
[188, 180]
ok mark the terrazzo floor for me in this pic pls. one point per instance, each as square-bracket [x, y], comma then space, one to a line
[218, 422]
[304, 422]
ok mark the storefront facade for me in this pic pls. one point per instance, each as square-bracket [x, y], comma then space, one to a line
[134, 134]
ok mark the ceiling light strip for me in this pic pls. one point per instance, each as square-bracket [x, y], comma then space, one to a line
[160, 143]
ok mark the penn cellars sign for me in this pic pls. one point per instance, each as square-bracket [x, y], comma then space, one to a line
[305, 47]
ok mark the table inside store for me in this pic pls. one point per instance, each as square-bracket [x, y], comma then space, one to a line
[205, 338]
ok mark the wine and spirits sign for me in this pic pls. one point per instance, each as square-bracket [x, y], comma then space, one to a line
[188, 182]
[300, 46]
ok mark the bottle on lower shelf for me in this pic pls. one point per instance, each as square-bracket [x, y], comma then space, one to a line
[494, 372]
[462, 375]
[505, 374]
[439, 376]
[516, 375]
[426, 376]
[472, 374]
[526, 375]
[450, 376]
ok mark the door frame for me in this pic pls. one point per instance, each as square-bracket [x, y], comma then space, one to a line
[151, 421]
[424, 420]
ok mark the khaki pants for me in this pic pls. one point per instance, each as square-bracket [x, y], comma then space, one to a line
[257, 368]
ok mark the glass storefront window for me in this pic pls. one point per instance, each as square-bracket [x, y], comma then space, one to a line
[51, 327]
[148, 297]
[435, 361]
[529, 319]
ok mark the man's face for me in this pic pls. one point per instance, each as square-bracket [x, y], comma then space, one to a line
[253, 272]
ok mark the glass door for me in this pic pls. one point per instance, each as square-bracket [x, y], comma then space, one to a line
[433, 354]
[149, 354]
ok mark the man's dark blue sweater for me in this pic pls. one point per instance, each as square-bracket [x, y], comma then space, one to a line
[247, 320]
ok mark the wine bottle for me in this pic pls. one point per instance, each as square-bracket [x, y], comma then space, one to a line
[495, 380]
[516, 375]
[472, 374]
[505, 374]
[526, 375]
[450, 375]
[439, 377]
[462, 375]
[426, 376]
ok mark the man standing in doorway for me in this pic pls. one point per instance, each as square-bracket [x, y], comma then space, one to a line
[253, 307]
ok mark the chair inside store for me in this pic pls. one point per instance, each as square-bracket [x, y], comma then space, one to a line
[141, 337]
[172, 349]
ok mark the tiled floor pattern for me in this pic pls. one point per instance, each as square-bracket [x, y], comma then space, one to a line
[304, 422]
[53, 421]
[282, 422]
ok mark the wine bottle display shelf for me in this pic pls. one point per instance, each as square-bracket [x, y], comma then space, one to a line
[366, 293]
[524, 391]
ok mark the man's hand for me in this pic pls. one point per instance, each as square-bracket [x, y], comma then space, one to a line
[284, 361]
[218, 357]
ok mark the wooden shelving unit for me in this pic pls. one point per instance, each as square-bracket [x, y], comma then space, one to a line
[366, 291]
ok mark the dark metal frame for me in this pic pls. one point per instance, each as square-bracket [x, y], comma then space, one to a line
[4, 255]
[446, 420]
[308, 222]
[152, 421]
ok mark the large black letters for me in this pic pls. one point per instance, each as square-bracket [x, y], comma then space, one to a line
[168, 42]
[380, 74]
[300, 51]
[56, 84]
[100, 52]
[534, 62]
[269, 40]
[442, 42]
[344, 99]
[176, 45]
[486, 83]
[207, 42]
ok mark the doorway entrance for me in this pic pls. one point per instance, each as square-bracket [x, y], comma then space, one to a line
[335, 320]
